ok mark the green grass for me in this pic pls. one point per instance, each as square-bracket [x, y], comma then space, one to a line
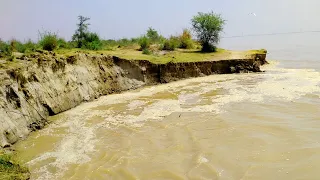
[157, 57]
[259, 51]
[162, 57]
[10, 169]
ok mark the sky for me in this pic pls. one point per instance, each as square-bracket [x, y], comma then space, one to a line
[114, 19]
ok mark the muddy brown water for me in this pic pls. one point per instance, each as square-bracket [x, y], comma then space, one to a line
[240, 126]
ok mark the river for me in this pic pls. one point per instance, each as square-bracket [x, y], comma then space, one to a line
[238, 126]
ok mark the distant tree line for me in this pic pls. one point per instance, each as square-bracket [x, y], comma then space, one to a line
[206, 26]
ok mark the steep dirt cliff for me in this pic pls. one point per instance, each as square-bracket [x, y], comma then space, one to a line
[47, 84]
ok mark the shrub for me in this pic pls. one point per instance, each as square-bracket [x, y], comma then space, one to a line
[91, 37]
[109, 43]
[187, 44]
[146, 51]
[17, 46]
[186, 41]
[92, 41]
[95, 45]
[63, 43]
[208, 27]
[13, 44]
[124, 42]
[153, 35]
[48, 41]
[144, 42]
[5, 49]
[72, 44]
[30, 46]
[134, 40]
[162, 39]
[171, 44]
[21, 47]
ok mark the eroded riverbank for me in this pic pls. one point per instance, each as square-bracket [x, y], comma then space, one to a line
[43, 85]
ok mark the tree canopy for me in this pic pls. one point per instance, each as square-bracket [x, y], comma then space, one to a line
[208, 27]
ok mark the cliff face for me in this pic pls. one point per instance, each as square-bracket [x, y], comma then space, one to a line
[48, 84]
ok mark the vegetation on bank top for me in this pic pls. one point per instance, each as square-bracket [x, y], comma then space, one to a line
[207, 27]
[151, 46]
[10, 168]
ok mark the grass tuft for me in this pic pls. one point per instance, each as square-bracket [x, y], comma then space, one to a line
[10, 169]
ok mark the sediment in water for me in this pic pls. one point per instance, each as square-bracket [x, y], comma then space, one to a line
[47, 84]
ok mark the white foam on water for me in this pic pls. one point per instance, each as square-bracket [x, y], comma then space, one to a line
[156, 111]
[202, 159]
[72, 149]
[189, 98]
[281, 84]
[135, 104]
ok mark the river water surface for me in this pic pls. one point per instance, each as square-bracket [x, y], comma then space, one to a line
[239, 126]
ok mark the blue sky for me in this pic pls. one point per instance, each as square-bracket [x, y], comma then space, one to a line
[113, 19]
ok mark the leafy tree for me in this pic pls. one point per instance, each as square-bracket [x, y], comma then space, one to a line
[82, 31]
[208, 27]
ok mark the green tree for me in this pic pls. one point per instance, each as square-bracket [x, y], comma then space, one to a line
[82, 31]
[208, 27]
